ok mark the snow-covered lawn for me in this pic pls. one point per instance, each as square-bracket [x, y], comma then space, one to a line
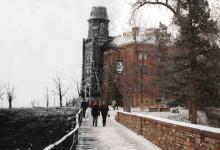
[182, 116]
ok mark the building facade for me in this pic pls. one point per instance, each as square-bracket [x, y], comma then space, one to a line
[122, 68]
[98, 35]
[131, 67]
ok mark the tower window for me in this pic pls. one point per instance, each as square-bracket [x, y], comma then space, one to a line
[102, 25]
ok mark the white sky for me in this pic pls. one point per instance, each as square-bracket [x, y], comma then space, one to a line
[42, 38]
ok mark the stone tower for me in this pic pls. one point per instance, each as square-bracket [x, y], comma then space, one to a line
[93, 50]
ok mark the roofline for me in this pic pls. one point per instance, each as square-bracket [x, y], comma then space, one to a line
[128, 44]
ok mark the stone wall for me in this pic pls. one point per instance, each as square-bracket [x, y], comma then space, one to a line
[172, 135]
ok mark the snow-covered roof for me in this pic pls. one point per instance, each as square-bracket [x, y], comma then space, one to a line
[120, 41]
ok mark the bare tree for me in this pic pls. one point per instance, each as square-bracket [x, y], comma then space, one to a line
[33, 103]
[2, 93]
[60, 91]
[134, 19]
[47, 98]
[10, 94]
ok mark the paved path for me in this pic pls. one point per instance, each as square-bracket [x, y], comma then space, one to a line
[112, 137]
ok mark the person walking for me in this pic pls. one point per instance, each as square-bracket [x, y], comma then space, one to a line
[104, 111]
[84, 106]
[114, 104]
[95, 113]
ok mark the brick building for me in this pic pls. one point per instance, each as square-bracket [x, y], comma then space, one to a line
[130, 68]
[123, 67]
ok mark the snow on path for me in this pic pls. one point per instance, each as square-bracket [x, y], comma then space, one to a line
[112, 137]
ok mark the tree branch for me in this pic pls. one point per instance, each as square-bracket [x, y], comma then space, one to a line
[141, 3]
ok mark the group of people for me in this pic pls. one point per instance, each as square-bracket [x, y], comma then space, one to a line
[96, 109]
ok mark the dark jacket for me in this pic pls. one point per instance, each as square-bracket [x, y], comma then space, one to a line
[84, 105]
[95, 110]
[104, 110]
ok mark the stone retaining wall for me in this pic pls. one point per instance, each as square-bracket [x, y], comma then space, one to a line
[172, 135]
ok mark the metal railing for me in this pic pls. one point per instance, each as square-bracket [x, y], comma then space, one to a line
[69, 141]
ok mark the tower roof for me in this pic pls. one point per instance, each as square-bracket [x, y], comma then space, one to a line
[99, 13]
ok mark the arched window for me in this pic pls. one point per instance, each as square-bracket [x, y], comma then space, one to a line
[102, 25]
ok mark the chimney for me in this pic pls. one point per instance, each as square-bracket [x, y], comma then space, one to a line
[135, 32]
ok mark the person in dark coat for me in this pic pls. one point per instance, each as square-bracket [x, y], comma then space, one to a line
[95, 113]
[104, 111]
[84, 106]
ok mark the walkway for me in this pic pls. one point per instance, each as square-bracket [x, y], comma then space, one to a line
[112, 137]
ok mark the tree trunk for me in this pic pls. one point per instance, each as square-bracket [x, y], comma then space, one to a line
[189, 105]
[10, 104]
[128, 106]
[194, 113]
[60, 100]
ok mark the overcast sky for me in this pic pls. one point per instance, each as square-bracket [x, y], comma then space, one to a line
[42, 38]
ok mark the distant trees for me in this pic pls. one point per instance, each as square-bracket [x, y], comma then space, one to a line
[196, 65]
[60, 90]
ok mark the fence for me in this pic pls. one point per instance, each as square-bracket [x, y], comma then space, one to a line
[69, 141]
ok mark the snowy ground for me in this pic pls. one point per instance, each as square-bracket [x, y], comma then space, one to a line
[182, 116]
[177, 118]
[112, 137]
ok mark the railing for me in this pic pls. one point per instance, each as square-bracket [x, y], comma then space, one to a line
[69, 141]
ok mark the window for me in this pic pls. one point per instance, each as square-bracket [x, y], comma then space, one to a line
[145, 56]
[119, 66]
[131, 54]
[102, 25]
[145, 88]
[145, 69]
[88, 72]
[140, 56]
[88, 58]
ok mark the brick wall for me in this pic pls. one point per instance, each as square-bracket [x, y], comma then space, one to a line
[172, 135]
